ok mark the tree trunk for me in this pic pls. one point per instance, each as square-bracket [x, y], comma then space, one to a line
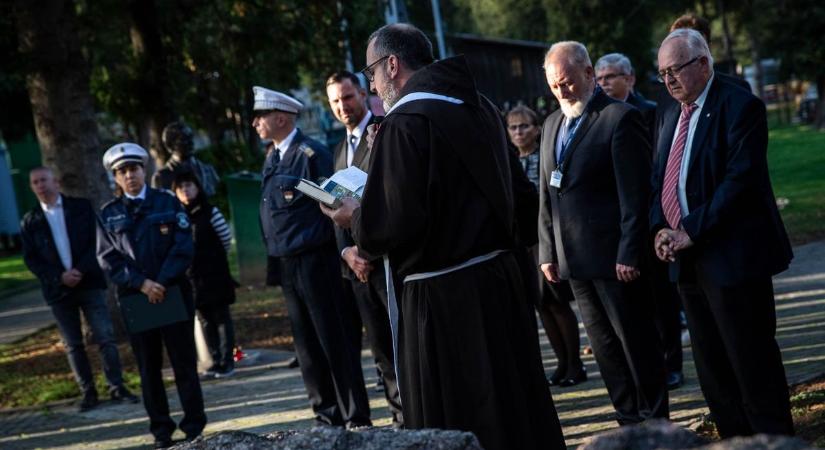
[727, 41]
[153, 85]
[58, 84]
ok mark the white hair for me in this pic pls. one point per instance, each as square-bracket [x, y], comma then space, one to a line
[694, 41]
[616, 60]
[576, 53]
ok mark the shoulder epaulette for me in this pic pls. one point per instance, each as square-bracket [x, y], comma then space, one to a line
[106, 205]
[307, 150]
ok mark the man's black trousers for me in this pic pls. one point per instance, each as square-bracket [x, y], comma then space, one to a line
[330, 366]
[732, 333]
[179, 340]
[618, 318]
[371, 299]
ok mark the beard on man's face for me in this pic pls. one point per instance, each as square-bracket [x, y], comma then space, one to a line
[389, 96]
[575, 109]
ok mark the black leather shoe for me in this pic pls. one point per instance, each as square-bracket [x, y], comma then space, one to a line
[574, 380]
[89, 401]
[675, 380]
[556, 378]
[123, 394]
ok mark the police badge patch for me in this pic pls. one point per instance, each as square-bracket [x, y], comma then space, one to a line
[183, 221]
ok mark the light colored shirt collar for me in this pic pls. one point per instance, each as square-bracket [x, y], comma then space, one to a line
[362, 126]
[141, 196]
[57, 204]
[283, 146]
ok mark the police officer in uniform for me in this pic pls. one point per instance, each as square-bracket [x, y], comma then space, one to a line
[144, 245]
[301, 239]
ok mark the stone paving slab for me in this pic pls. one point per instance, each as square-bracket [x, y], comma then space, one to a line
[23, 314]
[270, 397]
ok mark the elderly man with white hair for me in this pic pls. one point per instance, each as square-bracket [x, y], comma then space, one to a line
[716, 222]
[592, 228]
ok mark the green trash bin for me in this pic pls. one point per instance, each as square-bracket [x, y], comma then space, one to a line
[244, 193]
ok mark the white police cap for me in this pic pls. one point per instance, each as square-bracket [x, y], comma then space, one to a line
[267, 99]
[124, 153]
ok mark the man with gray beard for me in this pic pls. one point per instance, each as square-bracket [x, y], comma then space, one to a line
[439, 204]
[594, 187]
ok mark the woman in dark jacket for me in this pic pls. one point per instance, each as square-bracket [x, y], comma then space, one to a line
[213, 285]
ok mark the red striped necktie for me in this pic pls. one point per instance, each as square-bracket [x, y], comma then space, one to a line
[670, 198]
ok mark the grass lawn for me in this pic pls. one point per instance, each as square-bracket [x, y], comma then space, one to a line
[14, 274]
[796, 157]
[35, 371]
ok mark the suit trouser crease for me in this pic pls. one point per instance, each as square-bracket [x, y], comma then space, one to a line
[737, 357]
[626, 347]
[330, 368]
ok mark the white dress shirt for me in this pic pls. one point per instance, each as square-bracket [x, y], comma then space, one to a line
[57, 222]
[141, 195]
[683, 170]
[283, 146]
[358, 132]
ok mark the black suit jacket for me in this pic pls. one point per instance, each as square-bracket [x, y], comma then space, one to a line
[597, 218]
[40, 253]
[648, 110]
[360, 159]
[733, 219]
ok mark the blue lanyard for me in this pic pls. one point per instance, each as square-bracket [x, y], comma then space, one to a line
[568, 139]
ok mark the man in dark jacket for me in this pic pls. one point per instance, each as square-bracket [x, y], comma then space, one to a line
[594, 193]
[301, 240]
[716, 221]
[364, 281]
[58, 247]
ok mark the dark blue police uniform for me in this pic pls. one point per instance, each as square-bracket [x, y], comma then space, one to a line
[152, 239]
[301, 238]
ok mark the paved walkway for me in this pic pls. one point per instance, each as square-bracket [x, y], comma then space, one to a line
[22, 314]
[268, 397]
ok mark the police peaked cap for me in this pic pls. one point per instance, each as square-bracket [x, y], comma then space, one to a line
[124, 153]
[267, 100]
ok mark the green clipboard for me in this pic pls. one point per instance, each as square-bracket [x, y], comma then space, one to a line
[140, 315]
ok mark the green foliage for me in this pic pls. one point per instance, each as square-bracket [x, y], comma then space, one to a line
[795, 159]
[14, 274]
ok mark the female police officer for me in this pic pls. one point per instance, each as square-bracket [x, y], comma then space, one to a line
[145, 245]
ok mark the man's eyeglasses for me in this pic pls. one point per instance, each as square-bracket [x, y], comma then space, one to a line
[369, 71]
[673, 72]
[519, 126]
[608, 77]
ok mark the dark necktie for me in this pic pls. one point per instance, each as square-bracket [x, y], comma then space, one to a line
[351, 149]
[670, 186]
[133, 205]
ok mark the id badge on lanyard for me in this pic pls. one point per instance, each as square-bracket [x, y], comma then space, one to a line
[555, 178]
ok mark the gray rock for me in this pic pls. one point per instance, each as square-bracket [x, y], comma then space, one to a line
[664, 435]
[760, 442]
[327, 438]
[650, 435]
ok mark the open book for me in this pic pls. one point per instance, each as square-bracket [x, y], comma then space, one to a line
[348, 182]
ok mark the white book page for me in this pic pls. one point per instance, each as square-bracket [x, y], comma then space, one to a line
[351, 178]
